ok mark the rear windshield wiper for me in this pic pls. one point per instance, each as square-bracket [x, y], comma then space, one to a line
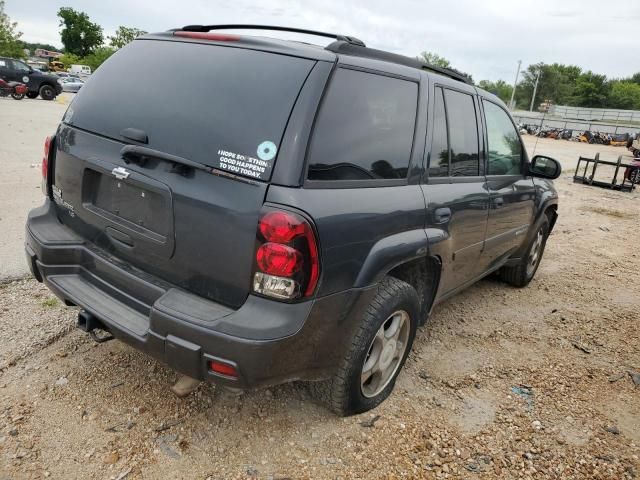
[140, 155]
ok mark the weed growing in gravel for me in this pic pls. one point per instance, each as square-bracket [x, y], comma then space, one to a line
[49, 302]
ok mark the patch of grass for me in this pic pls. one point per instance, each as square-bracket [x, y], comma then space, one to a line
[610, 212]
[49, 302]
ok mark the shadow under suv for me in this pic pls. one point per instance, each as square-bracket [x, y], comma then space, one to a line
[292, 212]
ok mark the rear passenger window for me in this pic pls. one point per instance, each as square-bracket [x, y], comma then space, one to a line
[439, 159]
[463, 134]
[365, 128]
[505, 149]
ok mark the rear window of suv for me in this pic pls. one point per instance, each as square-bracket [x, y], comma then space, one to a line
[364, 129]
[225, 107]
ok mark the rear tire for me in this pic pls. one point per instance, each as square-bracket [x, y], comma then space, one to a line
[367, 374]
[17, 96]
[520, 275]
[32, 95]
[47, 92]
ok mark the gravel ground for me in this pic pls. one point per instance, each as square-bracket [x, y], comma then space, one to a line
[502, 383]
[24, 125]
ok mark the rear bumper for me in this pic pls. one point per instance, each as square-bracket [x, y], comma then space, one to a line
[269, 342]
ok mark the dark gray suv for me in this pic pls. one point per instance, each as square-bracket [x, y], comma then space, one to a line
[292, 212]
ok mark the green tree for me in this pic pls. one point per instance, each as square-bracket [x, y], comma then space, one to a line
[556, 83]
[79, 35]
[97, 58]
[591, 90]
[10, 44]
[125, 35]
[500, 88]
[434, 59]
[32, 47]
[635, 78]
[438, 61]
[69, 59]
[624, 95]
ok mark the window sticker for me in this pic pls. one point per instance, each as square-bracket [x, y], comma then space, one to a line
[236, 163]
[267, 150]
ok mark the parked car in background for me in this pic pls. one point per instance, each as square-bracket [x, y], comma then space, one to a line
[83, 70]
[62, 74]
[301, 226]
[38, 83]
[71, 84]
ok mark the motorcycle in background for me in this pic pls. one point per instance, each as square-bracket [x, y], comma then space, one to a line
[16, 89]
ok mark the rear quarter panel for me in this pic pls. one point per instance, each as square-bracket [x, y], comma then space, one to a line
[351, 222]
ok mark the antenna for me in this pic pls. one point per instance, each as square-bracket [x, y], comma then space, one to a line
[544, 115]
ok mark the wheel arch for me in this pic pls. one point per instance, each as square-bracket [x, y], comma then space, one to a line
[423, 274]
[404, 256]
[551, 211]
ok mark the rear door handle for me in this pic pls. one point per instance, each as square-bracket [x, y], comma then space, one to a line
[498, 202]
[442, 215]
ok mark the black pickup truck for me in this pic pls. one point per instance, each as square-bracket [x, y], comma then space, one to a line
[39, 83]
[294, 212]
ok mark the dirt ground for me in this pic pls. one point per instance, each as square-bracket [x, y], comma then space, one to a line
[502, 382]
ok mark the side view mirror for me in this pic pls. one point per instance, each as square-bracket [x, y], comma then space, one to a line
[545, 167]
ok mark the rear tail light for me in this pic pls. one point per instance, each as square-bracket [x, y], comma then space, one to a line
[278, 259]
[45, 165]
[287, 261]
[223, 368]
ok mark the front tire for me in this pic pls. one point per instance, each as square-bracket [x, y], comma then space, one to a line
[47, 92]
[32, 95]
[367, 374]
[520, 275]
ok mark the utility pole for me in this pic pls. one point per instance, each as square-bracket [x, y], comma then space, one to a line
[515, 82]
[535, 88]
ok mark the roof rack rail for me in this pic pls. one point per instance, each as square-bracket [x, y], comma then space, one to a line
[275, 28]
[359, 51]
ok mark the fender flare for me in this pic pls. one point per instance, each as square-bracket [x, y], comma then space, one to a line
[389, 252]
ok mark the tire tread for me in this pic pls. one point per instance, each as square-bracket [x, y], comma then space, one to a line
[334, 392]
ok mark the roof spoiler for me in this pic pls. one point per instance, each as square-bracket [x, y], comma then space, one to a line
[274, 28]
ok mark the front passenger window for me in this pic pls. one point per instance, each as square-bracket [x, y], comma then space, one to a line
[505, 149]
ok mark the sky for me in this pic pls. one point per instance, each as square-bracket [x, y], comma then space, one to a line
[485, 38]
